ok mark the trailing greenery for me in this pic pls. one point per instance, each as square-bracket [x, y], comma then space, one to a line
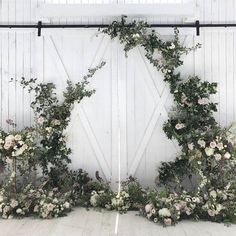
[53, 117]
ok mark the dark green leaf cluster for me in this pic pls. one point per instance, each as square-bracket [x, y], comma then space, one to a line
[55, 116]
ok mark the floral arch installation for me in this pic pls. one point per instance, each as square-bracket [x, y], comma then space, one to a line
[199, 184]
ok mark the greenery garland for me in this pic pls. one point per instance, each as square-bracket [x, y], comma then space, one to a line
[208, 156]
[199, 184]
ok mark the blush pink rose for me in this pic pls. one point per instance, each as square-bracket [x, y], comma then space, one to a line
[167, 221]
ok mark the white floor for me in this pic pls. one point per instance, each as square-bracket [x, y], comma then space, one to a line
[83, 222]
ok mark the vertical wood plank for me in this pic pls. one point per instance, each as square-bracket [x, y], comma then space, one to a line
[114, 112]
[27, 115]
[229, 64]
[1, 82]
[222, 66]
[234, 65]
[122, 97]
[12, 87]
[5, 78]
[19, 73]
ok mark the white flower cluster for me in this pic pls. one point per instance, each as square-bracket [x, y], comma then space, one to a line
[215, 199]
[136, 36]
[94, 199]
[169, 209]
[34, 201]
[184, 100]
[50, 206]
[164, 212]
[7, 208]
[172, 46]
[15, 145]
[121, 202]
[219, 148]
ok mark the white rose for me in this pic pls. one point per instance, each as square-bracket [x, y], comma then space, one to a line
[1, 206]
[188, 211]
[164, 212]
[44, 214]
[50, 207]
[136, 35]
[10, 138]
[202, 143]
[6, 209]
[219, 207]
[19, 211]
[21, 142]
[217, 156]
[13, 203]
[213, 194]
[57, 122]
[190, 146]
[220, 146]
[209, 151]
[18, 152]
[67, 205]
[17, 137]
[227, 155]
[8, 144]
[55, 200]
[93, 200]
[48, 129]
[36, 208]
[24, 147]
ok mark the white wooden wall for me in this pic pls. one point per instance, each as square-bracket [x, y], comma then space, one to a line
[122, 122]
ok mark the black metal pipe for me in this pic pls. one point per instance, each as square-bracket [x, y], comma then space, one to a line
[196, 25]
[187, 25]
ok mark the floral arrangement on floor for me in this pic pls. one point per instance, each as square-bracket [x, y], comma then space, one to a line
[199, 184]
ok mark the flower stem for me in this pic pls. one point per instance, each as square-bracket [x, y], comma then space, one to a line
[14, 177]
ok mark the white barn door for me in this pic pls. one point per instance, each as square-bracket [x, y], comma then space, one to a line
[118, 131]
